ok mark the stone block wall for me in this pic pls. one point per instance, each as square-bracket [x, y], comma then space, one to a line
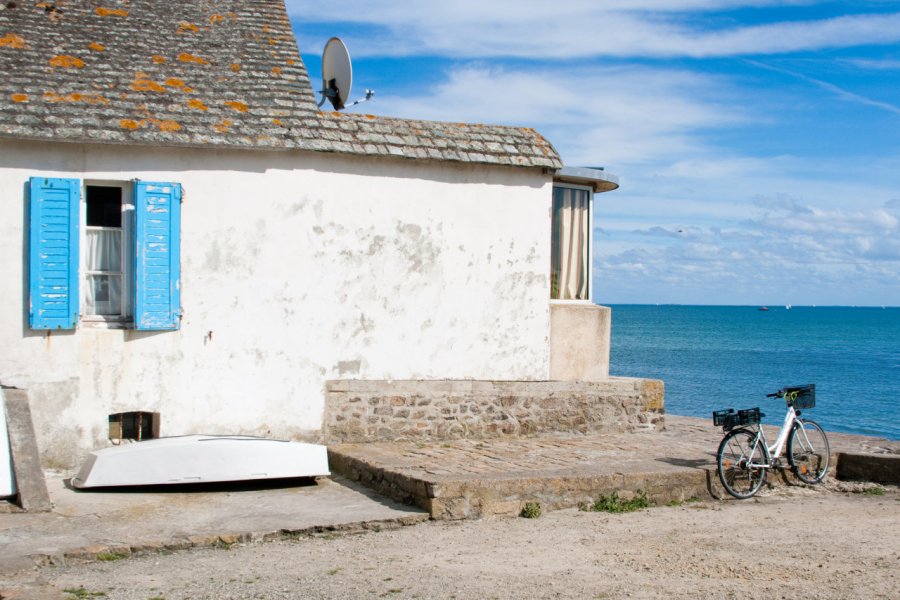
[380, 411]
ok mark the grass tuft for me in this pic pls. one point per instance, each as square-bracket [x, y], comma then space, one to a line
[111, 556]
[531, 510]
[613, 504]
[80, 592]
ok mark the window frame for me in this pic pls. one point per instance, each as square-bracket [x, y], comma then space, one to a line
[125, 319]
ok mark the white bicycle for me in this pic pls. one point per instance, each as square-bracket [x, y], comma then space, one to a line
[744, 456]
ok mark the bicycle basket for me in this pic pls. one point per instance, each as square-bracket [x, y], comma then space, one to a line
[724, 418]
[801, 396]
[729, 419]
[749, 416]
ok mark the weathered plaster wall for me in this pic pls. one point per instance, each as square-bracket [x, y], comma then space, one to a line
[579, 341]
[296, 268]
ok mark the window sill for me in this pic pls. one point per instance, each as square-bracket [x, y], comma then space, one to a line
[581, 302]
[95, 323]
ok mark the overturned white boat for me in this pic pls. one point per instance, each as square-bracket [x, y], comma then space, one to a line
[7, 474]
[201, 459]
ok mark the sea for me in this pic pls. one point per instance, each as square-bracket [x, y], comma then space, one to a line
[715, 357]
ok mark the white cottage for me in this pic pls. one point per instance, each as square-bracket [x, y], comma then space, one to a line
[187, 245]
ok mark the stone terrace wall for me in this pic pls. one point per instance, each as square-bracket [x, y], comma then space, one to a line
[378, 411]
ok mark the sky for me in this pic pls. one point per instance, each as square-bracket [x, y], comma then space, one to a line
[757, 142]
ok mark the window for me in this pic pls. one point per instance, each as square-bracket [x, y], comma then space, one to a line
[129, 267]
[106, 254]
[570, 256]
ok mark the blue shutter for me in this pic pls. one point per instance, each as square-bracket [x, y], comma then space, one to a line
[157, 257]
[53, 253]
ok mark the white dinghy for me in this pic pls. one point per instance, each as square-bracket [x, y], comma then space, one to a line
[201, 459]
[7, 475]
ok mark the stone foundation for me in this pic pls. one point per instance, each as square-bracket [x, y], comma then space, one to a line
[424, 410]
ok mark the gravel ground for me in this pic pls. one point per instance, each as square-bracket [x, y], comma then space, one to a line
[835, 541]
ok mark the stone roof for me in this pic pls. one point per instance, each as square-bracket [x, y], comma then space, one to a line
[223, 73]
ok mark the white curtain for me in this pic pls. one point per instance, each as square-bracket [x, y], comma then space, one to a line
[103, 294]
[571, 243]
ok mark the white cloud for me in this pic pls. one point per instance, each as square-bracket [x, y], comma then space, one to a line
[597, 115]
[875, 65]
[833, 89]
[474, 28]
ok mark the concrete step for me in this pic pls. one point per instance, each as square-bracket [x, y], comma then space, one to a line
[470, 479]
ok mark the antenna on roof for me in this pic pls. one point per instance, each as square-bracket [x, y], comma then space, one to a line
[337, 76]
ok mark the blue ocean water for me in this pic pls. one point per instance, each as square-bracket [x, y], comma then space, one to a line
[714, 357]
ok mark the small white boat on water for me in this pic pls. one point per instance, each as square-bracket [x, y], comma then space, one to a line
[201, 459]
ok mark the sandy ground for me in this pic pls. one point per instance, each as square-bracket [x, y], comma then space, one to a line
[827, 542]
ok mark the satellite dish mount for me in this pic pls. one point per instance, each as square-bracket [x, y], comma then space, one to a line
[337, 76]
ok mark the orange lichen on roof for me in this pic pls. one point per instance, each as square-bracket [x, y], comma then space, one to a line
[277, 122]
[164, 125]
[371, 117]
[197, 104]
[185, 57]
[75, 97]
[111, 12]
[237, 105]
[276, 71]
[11, 40]
[213, 19]
[158, 59]
[235, 67]
[66, 62]
[185, 27]
[142, 84]
[97, 46]
[174, 82]
[291, 61]
[272, 41]
[223, 126]
[19, 97]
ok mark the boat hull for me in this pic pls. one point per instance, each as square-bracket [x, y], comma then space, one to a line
[201, 459]
[7, 475]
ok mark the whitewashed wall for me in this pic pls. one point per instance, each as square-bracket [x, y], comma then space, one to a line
[296, 268]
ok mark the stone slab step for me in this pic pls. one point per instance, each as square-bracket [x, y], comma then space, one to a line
[469, 478]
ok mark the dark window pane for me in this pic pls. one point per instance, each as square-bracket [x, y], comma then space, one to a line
[104, 206]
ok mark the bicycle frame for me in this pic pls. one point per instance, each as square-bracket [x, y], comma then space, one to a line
[773, 452]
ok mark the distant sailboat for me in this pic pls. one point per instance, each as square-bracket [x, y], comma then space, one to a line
[787, 307]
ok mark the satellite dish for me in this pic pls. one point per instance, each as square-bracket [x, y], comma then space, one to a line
[337, 75]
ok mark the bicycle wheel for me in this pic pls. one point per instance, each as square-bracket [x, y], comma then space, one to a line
[740, 461]
[808, 451]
